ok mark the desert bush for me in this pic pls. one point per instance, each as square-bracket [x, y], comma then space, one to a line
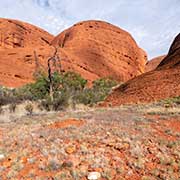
[60, 102]
[7, 96]
[1, 109]
[29, 108]
[34, 91]
[104, 84]
[68, 81]
[170, 102]
[46, 104]
[97, 92]
[12, 107]
[86, 97]
[73, 81]
[69, 88]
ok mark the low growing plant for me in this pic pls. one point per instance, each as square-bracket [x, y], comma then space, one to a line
[29, 108]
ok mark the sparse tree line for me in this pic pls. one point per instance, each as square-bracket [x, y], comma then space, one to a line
[64, 89]
[54, 89]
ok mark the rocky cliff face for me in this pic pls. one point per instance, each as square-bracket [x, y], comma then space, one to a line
[22, 48]
[98, 49]
[153, 63]
[95, 49]
[172, 60]
[163, 82]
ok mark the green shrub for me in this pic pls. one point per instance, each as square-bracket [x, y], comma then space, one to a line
[171, 101]
[29, 109]
[87, 97]
[46, 104]
[60, 102]
[7, 96]
[104, 84]
[37, 90]
[68, 88]
[74, 81]
[98, 92]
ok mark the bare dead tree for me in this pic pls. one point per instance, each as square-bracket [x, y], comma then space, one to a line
[54, 60]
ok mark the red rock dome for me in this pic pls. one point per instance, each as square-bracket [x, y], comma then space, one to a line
[97, 49]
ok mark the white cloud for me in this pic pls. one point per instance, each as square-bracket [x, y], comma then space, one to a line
[153, 24]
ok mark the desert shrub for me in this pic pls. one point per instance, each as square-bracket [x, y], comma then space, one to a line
[46, 104]
[97, 92]
[68, 89]
[7, 96]
[29, 108]
[12, 107]
[74, 81]
[87, 97]
[104, 84]
[68, 81]
[1, 109]
[60, 102]
[34, 91]
[171, 101]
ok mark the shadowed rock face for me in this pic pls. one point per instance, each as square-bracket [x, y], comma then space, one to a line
[153, 63]
[172, 60]
[98, 49]
[163, 82]
[20, 44]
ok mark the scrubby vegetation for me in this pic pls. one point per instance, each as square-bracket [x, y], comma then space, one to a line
[29, 109]
[69, 88]
[172, 101]
[119, 143]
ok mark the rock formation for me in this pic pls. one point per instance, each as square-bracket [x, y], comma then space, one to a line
[97, 49]
[163, 82]
[23, 47]
[153, 63]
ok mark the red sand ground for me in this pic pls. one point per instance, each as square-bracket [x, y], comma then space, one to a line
[66, 123]
[118, 143]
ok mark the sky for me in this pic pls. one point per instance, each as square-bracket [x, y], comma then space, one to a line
[152, 23]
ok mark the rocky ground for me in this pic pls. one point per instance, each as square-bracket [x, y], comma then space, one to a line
[128, 142]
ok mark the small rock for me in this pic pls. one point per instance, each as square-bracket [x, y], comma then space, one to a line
[67, 164]
[2, 157]
[70, 149]
[94, 175]
[31, 160]
[108, 133]
[84, 149]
